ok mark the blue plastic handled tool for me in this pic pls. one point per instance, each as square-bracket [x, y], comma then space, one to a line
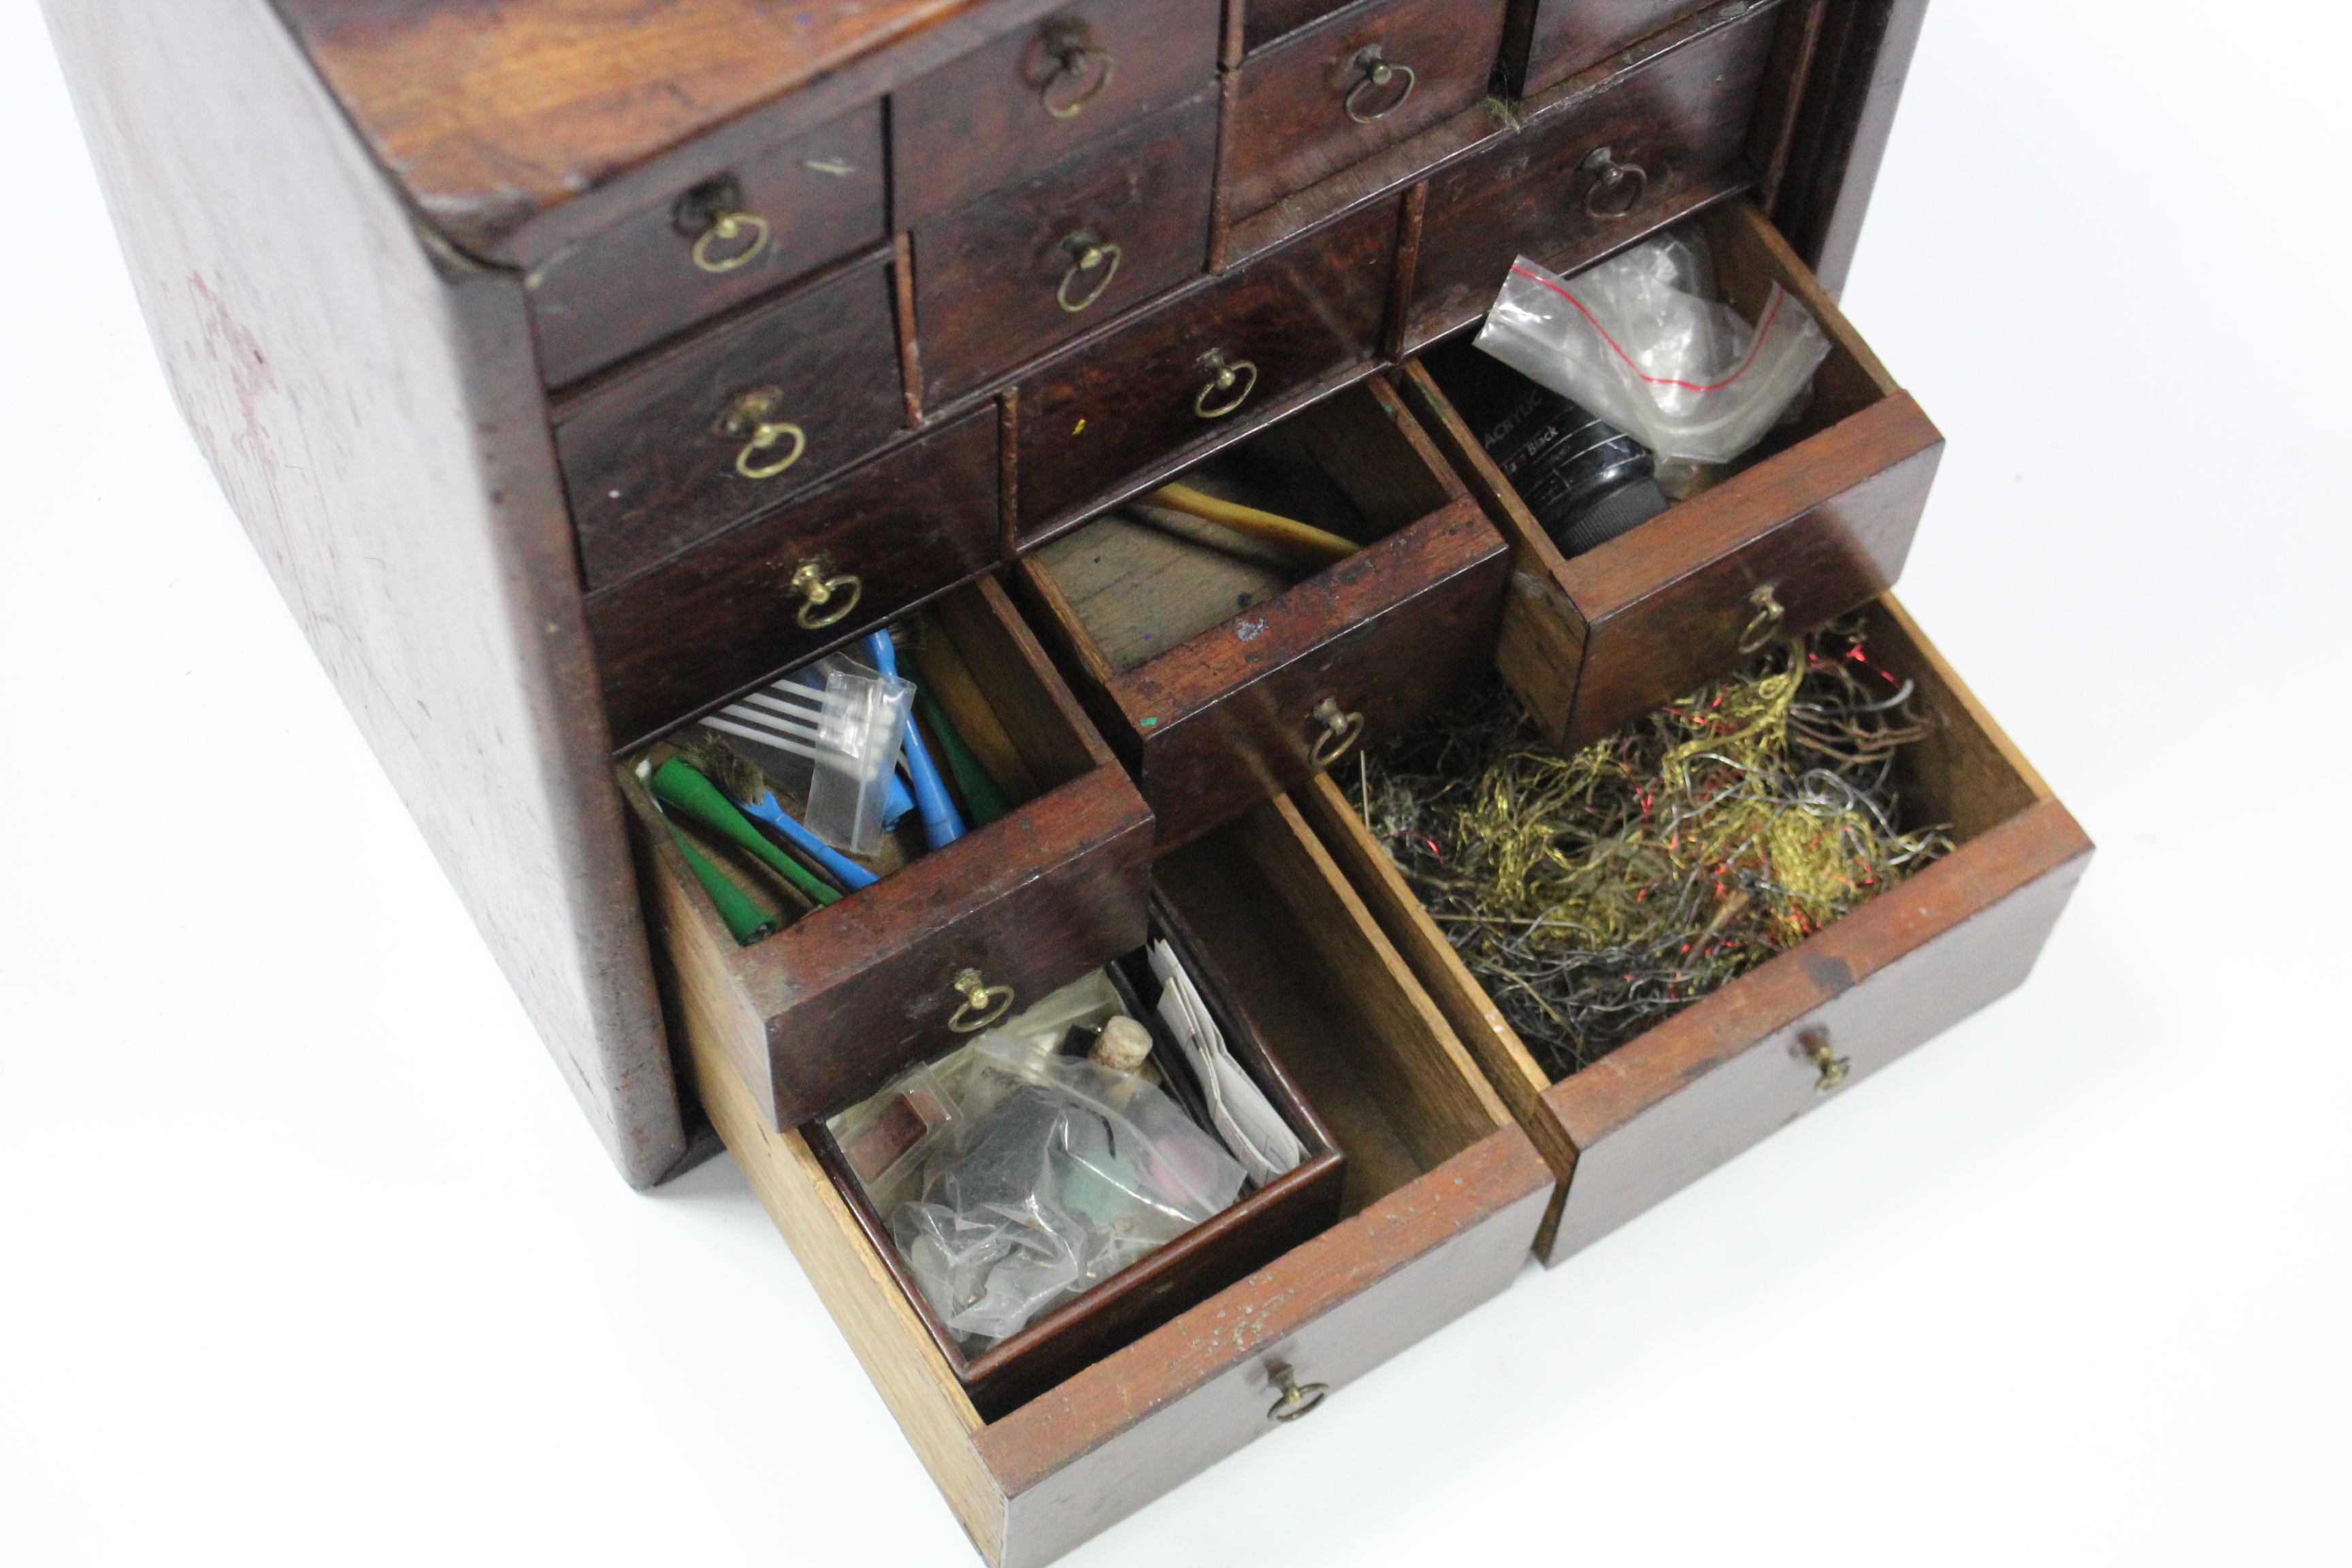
[846, 872]
[942, 825]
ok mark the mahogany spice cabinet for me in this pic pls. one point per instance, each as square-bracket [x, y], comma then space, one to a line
[576, 368]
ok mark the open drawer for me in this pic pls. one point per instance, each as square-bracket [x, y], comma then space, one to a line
[1817, 522]
[1442, 1195]
[826, 1010]
[1267, 676]
[1659, 1112]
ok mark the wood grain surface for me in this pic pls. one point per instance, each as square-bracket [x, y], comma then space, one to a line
[1551, 39]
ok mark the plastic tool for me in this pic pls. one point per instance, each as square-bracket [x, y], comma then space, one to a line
[852, 732]
[741, 778]
[942, 825]
[674, 784]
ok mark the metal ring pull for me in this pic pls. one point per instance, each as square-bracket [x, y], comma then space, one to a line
[1224, 375]
[1378, 73]
[1831, 1066]
[1619, 188]
[1339, 731]
[1770, 613]
[726, 229]
[712, 215]
[1075, 57]
[1086, 255]
[1297, 1398]
[820, 593]
[983, 1003]
[751, 419]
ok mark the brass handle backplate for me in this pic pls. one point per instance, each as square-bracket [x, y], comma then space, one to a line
[1297, 1398]
[751, 419]
[1617, 189]
[1088, 255]
[1078, 63]
[1831, 1068]
[1230, 382]
[1769, 615]
[983, 1003]
[1378, 71]
[1339, 731]
[824, 600]
[725, 236]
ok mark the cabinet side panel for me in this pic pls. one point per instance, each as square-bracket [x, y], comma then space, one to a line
[372, 413]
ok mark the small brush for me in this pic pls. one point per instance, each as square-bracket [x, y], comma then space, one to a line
[740, 778]
[676, 782]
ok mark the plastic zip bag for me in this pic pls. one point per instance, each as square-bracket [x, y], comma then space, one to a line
[1247, 1121]
[1641, 341]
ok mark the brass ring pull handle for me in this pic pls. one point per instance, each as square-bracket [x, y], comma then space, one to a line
[713, 215]
[1076, 59]
[751, 420]
[1378, 73]
[1297, 1398]
[1769, 614]
[1087, 257]
[1619, 188]
[1339, 732]
[983, 1003]
[824, 600]
[1231, 382]
[1831, 1066]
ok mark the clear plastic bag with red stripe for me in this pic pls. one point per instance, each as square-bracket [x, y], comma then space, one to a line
[1641, 342]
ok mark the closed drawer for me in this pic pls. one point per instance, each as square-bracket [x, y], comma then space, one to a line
[1264, 21]
[1203, 363]
[1442, 1195]
[1551, 39]
[771, 593]
[1682, 1097]
[1593, 174]
[669, 452]
[724, 239]
[1258, 691]
[1017, 105]
[825, 1011]
[1041, 262]
[1340, 91]
[1819, 524]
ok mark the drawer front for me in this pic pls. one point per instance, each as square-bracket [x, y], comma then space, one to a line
[1669, 136]
[672, 451]
[1017, 105]
[1264, 21]
[1570, 35]
[739, 608]
[1336, 93]
[745, 231]
[1038, 264]
[1313, 308]
[1384, 638]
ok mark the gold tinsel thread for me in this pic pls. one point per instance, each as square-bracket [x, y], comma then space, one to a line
[1595, 894]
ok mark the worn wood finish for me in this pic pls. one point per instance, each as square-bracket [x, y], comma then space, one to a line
[829, 1009]
[991, 281]
[1292, 124]
[1294, 317]
[633, 285]
[648, 455]
[1849, 103]
[1550, 39]
[982, 122]
[711, 624]
[1264, 21]
[1681, 116]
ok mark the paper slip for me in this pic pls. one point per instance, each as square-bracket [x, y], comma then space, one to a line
[1250, 1125]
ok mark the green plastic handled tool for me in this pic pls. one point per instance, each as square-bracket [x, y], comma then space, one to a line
[980, 791]
[677, 784]
[747, 922]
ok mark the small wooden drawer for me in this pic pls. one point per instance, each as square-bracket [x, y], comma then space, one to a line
[775, 592]
[1548, 40]
[724, 239]
[1344, 88]
[1594, 172]
[1665, 1108]
[1819, 524]
[1442, 1198]
[1264, 21]
[668, 452]
[1259, 1227]
[1038, 263]
[1254, 697]
[824, 1012]
[1219, 356]
[1014, 107]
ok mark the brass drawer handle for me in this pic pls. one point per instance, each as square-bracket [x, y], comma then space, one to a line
[712, 213]
[1769, 614]
[827, 599]
[1086, 255]
[1619, 188]
[983, 1003]
[1297, 1398]
[1339, 731]
[1075, 58]
[1223, 375]
[1378, 71]
[751, 420]
[1831, 1066]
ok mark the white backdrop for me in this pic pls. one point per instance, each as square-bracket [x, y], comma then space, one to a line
[305, 1256]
